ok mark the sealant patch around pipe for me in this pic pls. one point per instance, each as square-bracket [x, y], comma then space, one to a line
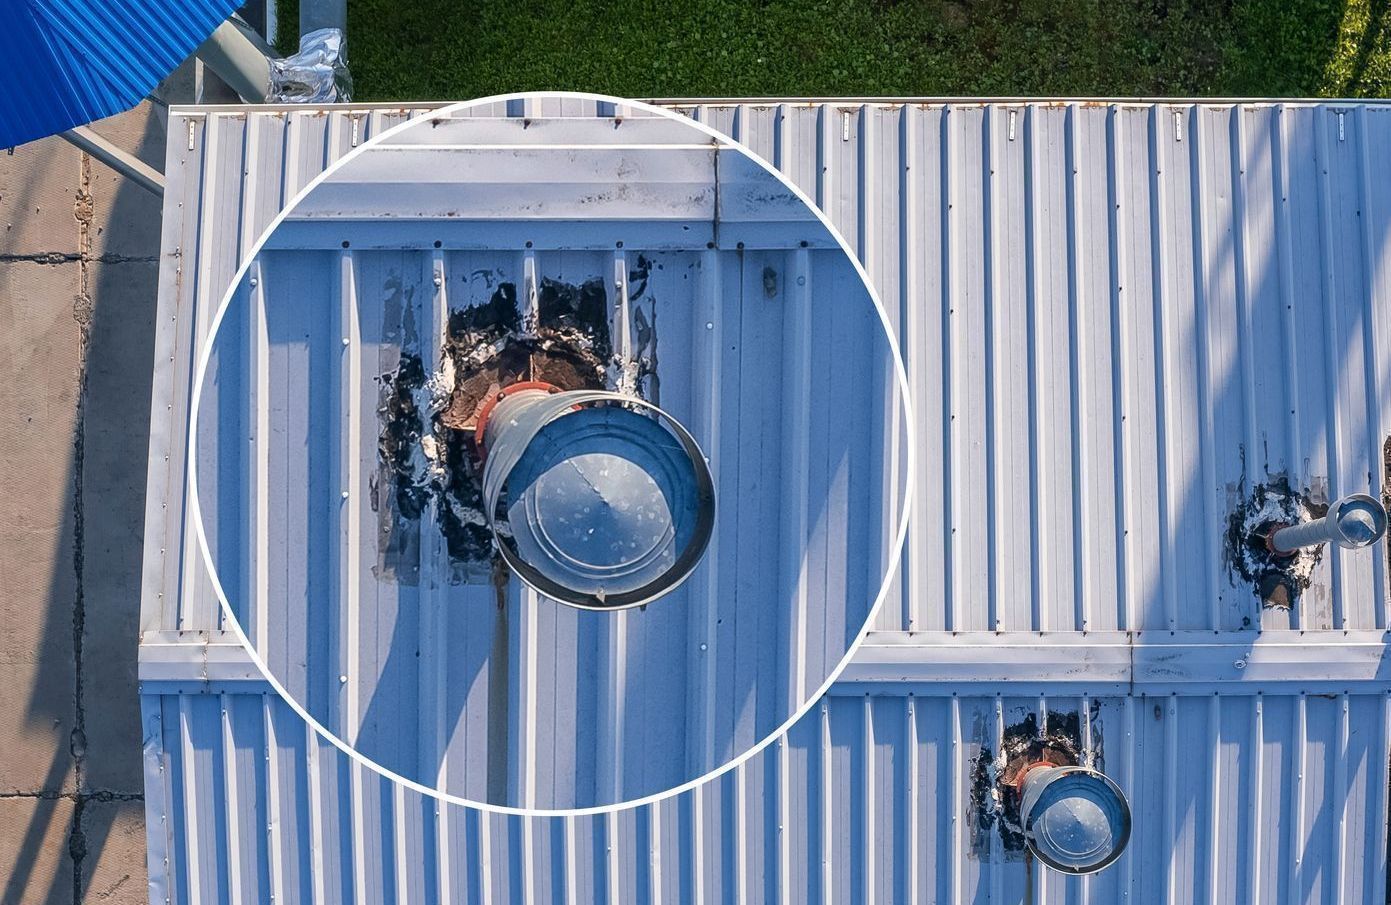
[994, 795]
[1277, 580]
[490, 346]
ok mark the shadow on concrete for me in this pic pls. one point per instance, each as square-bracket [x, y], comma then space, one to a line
[49, 707]
[94, 591]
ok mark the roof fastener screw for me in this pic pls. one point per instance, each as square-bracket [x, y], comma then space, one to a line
[342, 680]
[345, 341]
[254, 281]
[345, 494]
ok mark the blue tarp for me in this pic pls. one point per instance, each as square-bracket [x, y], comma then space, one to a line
[64, 63]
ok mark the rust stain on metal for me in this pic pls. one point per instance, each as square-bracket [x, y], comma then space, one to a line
[490, 350]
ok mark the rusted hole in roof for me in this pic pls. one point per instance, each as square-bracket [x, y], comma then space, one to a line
[1277, 581]
[489, 348]
[993, 796]
[427, 449]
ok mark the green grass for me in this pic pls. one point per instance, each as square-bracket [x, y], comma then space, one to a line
[432, 49]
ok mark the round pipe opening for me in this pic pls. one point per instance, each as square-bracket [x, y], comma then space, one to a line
[1358, 520]
[1075, 819]
[596, 499]
[1354, 521]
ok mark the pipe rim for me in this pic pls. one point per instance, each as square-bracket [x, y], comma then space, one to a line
[670, 579]
[1359, 502]
[1122, 839]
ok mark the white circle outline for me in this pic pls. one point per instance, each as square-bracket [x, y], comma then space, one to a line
[895, 551]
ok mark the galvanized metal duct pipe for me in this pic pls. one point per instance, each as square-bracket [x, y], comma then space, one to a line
[316, 14]
[126, 164]
[1355, 521]
[1075, 819]
[609, 500]
[237, 61]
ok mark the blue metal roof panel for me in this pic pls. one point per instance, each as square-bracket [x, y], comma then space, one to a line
[64, 63]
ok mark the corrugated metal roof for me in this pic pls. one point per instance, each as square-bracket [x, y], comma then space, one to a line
[1237, 798]
[218, 168]
[1260, 294]
[762, 339]
[1117, 319]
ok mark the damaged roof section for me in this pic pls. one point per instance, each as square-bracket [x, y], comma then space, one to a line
[1024, 736]
[429, 448]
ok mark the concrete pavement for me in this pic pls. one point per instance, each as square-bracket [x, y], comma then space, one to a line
[78, 253]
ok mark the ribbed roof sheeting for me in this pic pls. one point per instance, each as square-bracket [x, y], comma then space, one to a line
[595, 707]
[1236, 798]
[1117, 319]
[64, 63]
[762, 339]
[228, 174]
[1214, 273]
[1195, 293]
